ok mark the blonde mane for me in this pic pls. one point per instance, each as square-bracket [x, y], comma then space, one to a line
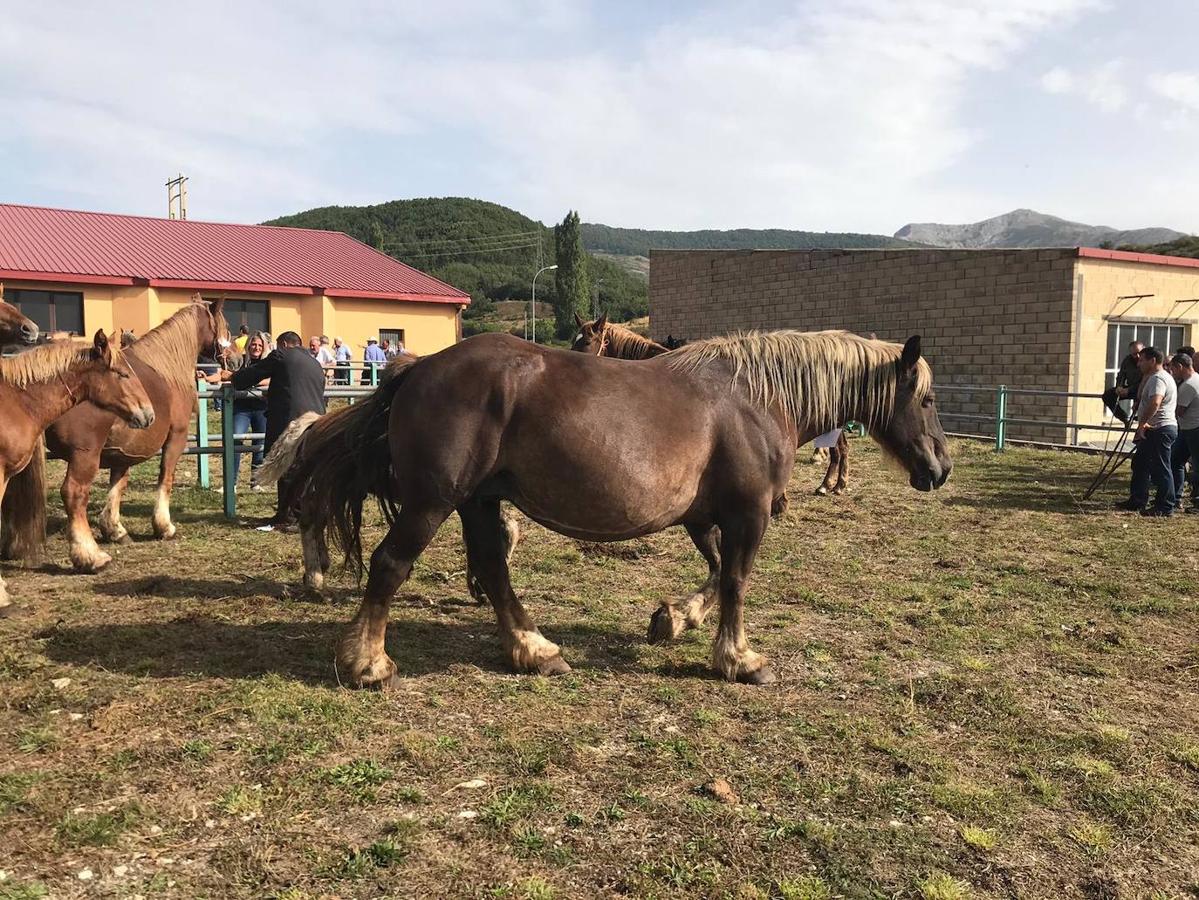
[624, 343]
[171, 348]
[46, 362]
[820, 379]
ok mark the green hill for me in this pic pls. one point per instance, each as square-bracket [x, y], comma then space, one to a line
[638, 242]
[482, 248]
[1183, 246]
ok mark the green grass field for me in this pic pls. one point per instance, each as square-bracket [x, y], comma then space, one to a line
[992, 691]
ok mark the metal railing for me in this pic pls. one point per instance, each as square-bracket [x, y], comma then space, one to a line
[207, 444]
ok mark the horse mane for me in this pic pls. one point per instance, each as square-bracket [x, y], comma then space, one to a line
[821, 379]
[624, 343]
[46, 362]
[171, 348]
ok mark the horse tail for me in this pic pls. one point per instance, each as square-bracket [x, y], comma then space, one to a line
[23, 513]
[286, 449]
[346, 458]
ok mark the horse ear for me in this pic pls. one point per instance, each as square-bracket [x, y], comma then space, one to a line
[911, 353]
[217, 306]
[579, 320]
[601, 322]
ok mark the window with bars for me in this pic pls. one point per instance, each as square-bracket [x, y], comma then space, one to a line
[51, 310]
[1164, 336]
[254, 314]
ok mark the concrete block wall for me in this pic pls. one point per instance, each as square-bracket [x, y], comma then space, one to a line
[986, 317]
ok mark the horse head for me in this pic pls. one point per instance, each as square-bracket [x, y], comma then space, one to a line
[912, 433]
[591, 335]
[213, 333]
[111, 384]
[16, 328]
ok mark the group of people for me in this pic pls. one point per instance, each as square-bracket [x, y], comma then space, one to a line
[1164, 396]
[335, 360]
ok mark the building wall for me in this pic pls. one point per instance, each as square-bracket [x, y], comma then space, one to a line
[986, 317]
[427, 327]
[1102, 282]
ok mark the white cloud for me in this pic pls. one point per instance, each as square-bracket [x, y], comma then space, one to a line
[837, 114]
[1103, 86]
[1058, 81]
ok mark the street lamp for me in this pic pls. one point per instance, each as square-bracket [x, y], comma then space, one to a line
[533, 304]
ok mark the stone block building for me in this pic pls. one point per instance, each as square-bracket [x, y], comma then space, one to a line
[1051, 319]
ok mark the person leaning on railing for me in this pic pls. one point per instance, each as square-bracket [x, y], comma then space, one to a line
[1128, 383]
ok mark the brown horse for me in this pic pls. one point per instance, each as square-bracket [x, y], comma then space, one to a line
[312, 436]
[14, 327]
[603, 338]
[595, 449]
[36, 388]
[90, 438]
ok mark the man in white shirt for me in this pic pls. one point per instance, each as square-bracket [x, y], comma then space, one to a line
[1186, 447]
[1157, 429]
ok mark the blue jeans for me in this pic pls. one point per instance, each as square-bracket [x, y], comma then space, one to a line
[1151, 462]
[1185, 448]
[249, 422]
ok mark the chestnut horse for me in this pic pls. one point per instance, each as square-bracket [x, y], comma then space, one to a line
[36, 388]
[596, 449]
[90, 437]
[603, 338]
[14, 327]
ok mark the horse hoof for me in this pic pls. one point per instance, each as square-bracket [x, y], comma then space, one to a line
[123, 540]
[555, 665]
[93, 565]
[661, 626]
[759, 676]
[392, 682]
[821, 491]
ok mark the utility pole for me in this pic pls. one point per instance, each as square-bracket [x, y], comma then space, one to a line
[177, 197]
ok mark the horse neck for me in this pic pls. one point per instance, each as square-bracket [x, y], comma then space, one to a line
[47, 400]
[630, 348]
[181, 368]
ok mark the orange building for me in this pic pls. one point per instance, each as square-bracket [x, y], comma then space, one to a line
[78, 271]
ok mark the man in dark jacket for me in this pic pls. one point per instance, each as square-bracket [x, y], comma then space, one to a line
[1128, 383]
[297, 387]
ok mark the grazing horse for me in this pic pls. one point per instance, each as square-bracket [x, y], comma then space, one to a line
[596, 449]
[603, 338]
[14, 327]
[90, 438]
[36, 388]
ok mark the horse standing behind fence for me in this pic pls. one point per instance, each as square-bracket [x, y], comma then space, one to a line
[91, 438]
[603, 338]
[14, 327]
[704, 437]
[35, 389]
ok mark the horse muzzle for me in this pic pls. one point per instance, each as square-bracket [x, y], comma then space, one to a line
[143, 418]
[30, 333]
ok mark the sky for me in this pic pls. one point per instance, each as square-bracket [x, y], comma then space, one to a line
[824, 115]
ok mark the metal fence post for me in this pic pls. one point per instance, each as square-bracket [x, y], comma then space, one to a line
[202, 436]
[374, 374]
[1000, 417]
[228, 452]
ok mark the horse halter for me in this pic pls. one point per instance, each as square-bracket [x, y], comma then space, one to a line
[63, 379]
[603, 342]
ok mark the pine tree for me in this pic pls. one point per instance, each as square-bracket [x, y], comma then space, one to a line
[572, 282]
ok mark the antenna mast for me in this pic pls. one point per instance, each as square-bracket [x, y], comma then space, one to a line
[177, 197]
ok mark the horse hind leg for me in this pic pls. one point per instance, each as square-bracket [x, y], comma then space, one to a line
[111, 527]
[510, 535]
[841, 455]
[361, 656]
[164, 528]
[488, 541]
[674, 617]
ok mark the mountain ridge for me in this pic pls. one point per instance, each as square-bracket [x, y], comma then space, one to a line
[1029, 228]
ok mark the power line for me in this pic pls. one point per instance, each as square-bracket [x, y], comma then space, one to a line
[466, 252]
[483, 239]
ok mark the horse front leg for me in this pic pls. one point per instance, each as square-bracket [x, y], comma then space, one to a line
[674, 617]
[741, 534]
[172, 450]
[316, 551]
[5, 601]
[111, 527]
[86, 555]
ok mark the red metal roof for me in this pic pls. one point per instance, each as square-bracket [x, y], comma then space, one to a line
[42, 244]
[1153, 259]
